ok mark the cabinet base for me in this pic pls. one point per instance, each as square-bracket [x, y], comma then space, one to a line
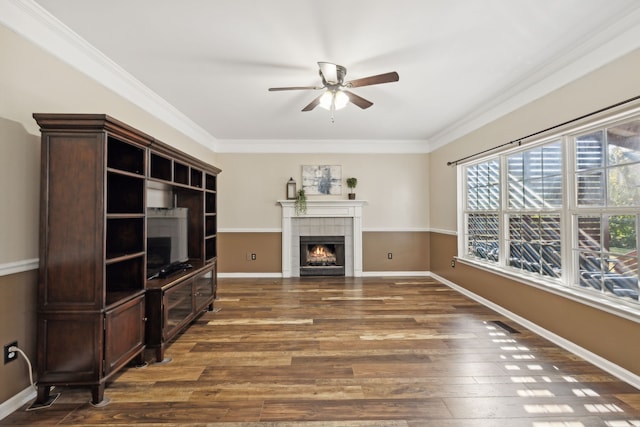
[104, 402]
[45, 404]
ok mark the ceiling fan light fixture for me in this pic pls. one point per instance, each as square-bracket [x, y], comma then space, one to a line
[334, 99]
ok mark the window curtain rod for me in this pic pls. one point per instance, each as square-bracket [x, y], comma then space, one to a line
[519, 140]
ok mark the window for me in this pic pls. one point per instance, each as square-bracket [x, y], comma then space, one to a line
[570, 220]
[608, 196]
[483, 197]
[533, 211]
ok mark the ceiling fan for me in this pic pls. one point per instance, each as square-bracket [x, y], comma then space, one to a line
[335, 95]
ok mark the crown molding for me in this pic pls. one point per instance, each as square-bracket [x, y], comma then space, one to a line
[353, 146]
[34, 23]
[617, 39]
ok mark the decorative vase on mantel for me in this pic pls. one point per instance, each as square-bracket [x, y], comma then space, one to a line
[352, 183]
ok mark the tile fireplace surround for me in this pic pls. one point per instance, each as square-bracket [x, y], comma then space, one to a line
[323, 218]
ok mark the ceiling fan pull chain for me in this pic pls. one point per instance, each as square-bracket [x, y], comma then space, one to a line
[333, 109]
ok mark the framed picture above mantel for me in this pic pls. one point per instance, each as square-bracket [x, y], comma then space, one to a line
[323, 180]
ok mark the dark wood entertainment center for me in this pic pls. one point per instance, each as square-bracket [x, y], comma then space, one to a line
[97, 311]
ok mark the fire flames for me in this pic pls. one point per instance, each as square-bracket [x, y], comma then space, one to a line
[321, 255]
[319, 251]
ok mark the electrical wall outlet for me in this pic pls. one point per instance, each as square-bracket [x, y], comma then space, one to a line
[253, 257]
[10, 356]
[389, 255]
[453, 263]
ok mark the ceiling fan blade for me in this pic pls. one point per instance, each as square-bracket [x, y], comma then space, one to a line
[313, 104]
[275, 89]
[374, 80]
[358, 100]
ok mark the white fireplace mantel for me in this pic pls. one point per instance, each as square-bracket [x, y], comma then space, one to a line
[322, 209]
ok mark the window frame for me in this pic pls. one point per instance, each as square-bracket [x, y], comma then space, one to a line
[567, 284]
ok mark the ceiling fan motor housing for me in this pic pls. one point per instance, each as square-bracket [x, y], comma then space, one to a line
[332, 74]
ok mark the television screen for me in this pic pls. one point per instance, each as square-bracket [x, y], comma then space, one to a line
[158, 254]
[167, 238]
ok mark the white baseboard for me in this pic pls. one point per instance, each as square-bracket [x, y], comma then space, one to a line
[599, 361]
[364, 274]
[394, 273]
[16, 402]
[249, 275]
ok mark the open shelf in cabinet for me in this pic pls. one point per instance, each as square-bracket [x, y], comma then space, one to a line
[196, 178]
[160, 167]
[116, 298]
[125, 194]
[210, 225]
[210, 183]
[210, 203]
[124, 156]
[180, 173]
[125, 274]
[125, 235]
[211, 249]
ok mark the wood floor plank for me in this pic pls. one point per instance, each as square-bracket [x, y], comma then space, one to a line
[352, 352]
[338, 410]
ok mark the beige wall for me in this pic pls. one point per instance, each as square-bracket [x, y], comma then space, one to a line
[235, 249]
[19, 216]
[394, 185]
[17, 323]
[19, 187]
[409, 251]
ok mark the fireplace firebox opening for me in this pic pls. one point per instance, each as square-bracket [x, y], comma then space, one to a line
[322, 256]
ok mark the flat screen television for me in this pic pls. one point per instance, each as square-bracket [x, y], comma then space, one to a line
[167, 238]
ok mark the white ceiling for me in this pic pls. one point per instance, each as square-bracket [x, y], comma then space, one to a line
[461, 62]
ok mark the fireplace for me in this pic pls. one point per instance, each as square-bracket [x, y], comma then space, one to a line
[323, 218]
[322, 256]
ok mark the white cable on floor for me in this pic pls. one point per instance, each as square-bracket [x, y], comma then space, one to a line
[15, 348]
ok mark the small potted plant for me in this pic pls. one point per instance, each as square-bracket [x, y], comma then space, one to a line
[301, 202]
[352, 183]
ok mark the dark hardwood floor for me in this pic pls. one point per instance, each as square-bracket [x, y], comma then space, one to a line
[353, 352]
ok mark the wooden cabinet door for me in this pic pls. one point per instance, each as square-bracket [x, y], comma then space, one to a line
[124, 333]
[69, 348]
[178, 308]
[204, 289]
